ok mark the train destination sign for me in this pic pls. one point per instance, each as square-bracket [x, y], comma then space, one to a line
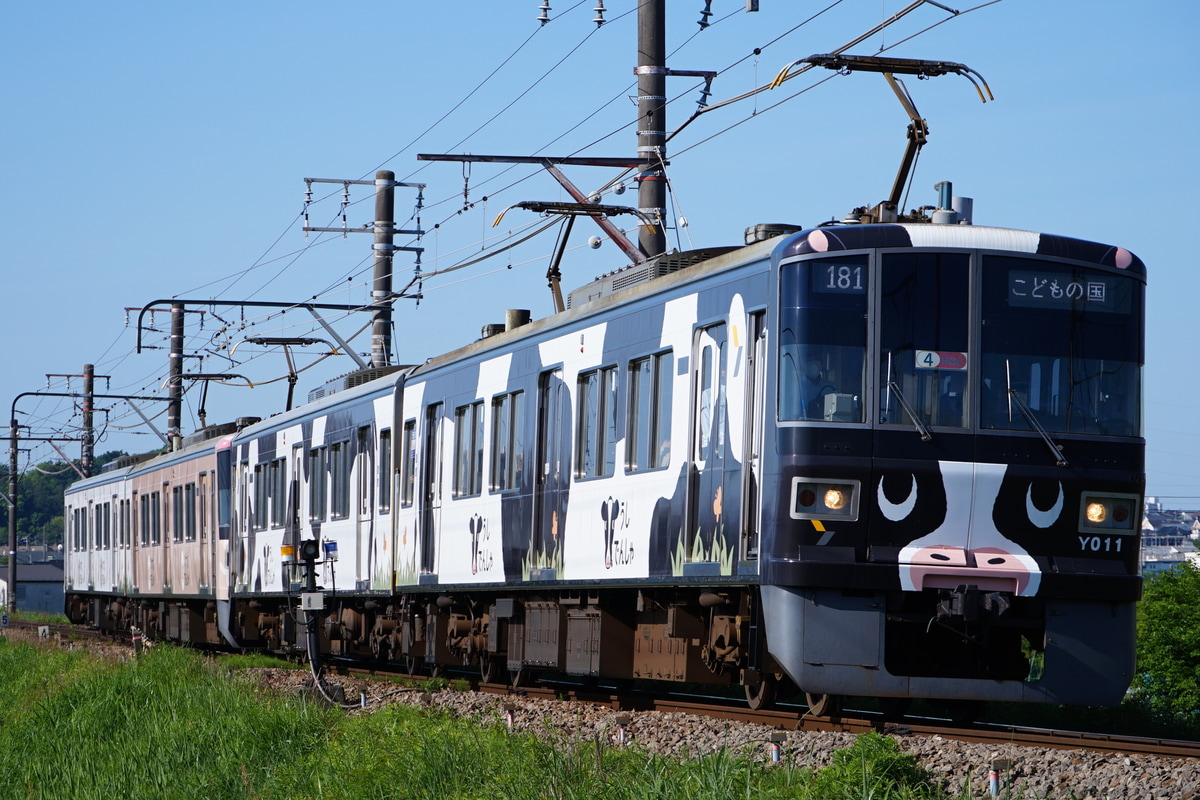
[1063, 290]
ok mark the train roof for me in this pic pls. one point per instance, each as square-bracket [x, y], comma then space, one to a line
[976, 237]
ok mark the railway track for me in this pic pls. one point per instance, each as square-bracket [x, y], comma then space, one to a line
[798, 718]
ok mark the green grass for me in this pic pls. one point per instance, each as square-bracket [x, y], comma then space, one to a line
[174, 725]
[40, 617]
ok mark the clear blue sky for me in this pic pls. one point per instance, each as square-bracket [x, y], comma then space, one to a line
[153, 150]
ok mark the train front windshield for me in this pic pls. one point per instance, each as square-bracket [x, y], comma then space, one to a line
[1060, 345]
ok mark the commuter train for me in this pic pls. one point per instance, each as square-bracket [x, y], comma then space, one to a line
[876, 460]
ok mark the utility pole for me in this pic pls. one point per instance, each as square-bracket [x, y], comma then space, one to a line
[12, 514]
[87, 435]
[652, 123]
[381, 293]
[385, 230]
[175, 380]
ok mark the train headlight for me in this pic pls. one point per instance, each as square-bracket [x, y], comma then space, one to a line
[823, 499]
[1108, 512]
[835, 499]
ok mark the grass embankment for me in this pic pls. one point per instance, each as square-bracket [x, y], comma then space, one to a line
[173, 725]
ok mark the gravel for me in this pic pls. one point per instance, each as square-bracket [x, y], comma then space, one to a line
[1035, 772]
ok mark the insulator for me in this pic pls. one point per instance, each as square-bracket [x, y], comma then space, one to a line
[599, 9]
[705, 14]
[544, 17]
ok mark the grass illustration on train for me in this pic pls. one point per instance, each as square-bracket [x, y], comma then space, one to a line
[897, 456]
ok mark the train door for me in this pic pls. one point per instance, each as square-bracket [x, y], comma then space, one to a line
[89, 555]
[292, 527]
[431, 496]
[135, 543]
[715, 484]
[552, 478]
[752, 441]
[203, 510]
[363, 526]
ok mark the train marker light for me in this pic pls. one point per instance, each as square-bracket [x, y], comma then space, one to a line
[1108, 512]
[331, 551]
[821, 499]
[287, 554]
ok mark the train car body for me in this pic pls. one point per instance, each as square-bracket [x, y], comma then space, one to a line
[145, 550]
[899, 460]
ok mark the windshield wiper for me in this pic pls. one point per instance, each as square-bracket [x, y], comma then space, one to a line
[912, 414]
[1027, 412]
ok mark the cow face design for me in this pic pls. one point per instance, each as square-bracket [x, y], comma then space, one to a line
[966, 548]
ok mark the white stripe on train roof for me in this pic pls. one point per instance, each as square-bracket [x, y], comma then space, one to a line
[973, 236]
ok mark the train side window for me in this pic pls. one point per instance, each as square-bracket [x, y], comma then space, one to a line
[385, 470]
[203, 493]
[508, 451]
[649, 431]
[156, 500]
[317, 458]
[125, 529]
[924, 332]
[339, 479]
[277, 488]
[258, 505]
[177, 514]
[142, 523]
[468, 450]
[408, 475]
[596, 424]
[189, 512]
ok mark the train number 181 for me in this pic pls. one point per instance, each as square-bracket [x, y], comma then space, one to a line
[844, 278]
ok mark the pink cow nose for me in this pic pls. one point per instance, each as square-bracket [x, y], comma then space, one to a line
[944, 567]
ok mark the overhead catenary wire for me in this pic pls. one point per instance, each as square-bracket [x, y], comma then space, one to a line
[348, 284]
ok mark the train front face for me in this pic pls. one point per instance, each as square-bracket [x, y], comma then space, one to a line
[951, 507]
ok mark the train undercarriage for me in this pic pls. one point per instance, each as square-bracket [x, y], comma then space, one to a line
[712, 637]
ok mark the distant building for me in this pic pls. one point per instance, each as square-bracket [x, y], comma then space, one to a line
[1169, 538]
[39, 586]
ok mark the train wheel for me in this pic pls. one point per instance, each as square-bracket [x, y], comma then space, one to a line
[518, 677]
[411, 665]
[823, 705]
[489, 669]
[762, 694]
